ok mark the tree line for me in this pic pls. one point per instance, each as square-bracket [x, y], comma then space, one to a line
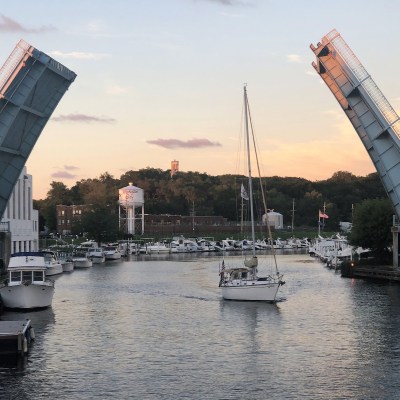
[203, 194]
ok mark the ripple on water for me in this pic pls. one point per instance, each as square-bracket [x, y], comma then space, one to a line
[159, 329]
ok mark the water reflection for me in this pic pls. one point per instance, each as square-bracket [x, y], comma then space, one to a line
[40, 318]
[376, 327]
[159, 329]
[247, 325]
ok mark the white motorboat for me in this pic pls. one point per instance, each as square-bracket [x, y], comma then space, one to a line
[85, 246]
[182, 245]
[66, 261]
[157, 248]
[112, 253]
[67, 265]
[26, 286]
[243, 283]
[80, 259]
[96, 254]
[205, 245]
[53, 265]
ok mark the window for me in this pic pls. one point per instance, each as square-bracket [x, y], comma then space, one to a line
[15, 276]
[26, 275]
[38, 275]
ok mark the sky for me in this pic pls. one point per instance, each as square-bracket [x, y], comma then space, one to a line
[162, 80]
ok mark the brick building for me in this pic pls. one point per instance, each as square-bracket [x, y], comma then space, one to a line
[67, 216]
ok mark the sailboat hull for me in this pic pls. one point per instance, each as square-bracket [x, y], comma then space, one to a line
[251, 291]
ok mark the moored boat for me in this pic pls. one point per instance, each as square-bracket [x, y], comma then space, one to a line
[26, 286]
[112, 253]
[66, 261]
[81, 260]
[67, 265]
[53, 265]
[157, 248]
[96, 254]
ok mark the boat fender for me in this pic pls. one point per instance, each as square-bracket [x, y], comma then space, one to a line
[32, 333]
[25, 345]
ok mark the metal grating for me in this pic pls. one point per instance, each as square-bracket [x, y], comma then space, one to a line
[12, 62]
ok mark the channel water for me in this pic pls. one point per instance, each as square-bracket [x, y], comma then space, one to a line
[157, 328]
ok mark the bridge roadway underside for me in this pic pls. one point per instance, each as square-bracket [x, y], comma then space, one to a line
[371, 115]
[31, 86]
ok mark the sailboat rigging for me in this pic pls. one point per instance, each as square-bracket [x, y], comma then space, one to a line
[243, 283]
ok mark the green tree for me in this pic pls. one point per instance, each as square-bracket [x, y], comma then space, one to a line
[372, 221]
[58, 194]
[100, 222]
[220, 195]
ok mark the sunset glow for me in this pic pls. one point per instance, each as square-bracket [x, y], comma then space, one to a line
[162, 80]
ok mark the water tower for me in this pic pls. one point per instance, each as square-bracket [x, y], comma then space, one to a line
[174, 167]
[131, 198]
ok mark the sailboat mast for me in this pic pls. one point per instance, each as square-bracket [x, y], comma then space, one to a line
[246, 122]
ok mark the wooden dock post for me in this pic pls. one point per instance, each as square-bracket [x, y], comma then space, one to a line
[395, 247]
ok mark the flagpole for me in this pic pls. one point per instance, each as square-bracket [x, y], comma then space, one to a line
[293, 217]
[319, 223]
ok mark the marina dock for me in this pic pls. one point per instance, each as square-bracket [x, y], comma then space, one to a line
[384, 273]
[15, 337]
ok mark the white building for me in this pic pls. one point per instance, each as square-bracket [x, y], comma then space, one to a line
[275, 220]
[20, 219]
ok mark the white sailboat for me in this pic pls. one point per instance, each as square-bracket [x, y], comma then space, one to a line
[243, 283]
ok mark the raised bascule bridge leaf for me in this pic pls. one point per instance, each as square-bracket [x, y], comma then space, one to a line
[374, 119]
[31, 86]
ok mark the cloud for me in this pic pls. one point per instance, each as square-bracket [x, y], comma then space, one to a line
[116, 89]
[312, 72]
[63, 175]
[189, 144]
[226, 2]
[229, 2]
[79, 55]
[70, 167]
[83, 118]
[10, 25]
[294, 58]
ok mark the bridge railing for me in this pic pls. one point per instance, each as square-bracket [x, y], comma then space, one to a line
[365, 80]
[12, 62]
